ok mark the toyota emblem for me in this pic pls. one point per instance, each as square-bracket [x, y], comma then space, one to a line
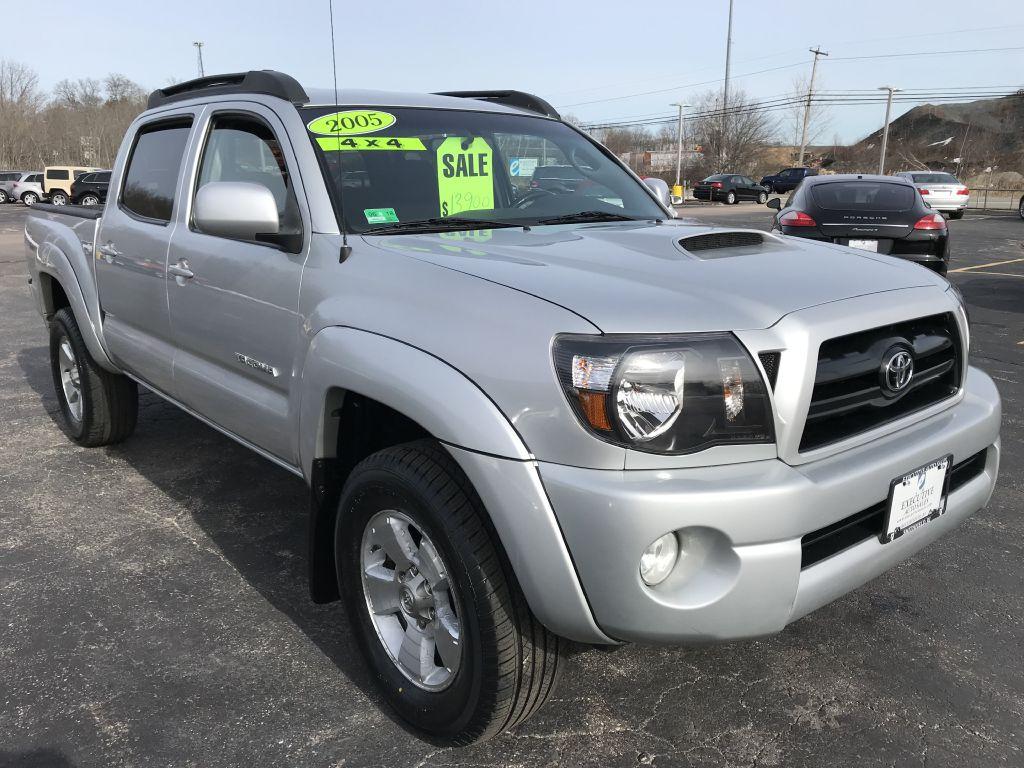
[897, 370]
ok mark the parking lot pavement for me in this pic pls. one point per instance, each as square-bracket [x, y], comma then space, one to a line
[153, 607]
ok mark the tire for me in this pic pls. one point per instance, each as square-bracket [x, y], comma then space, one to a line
[30, 198]
[731, 198]
[89, 200]
[762, 198]
[507, 663]
[59, 198]
[4, 197]
[1020, 207]
[96, 407]
[956, 214]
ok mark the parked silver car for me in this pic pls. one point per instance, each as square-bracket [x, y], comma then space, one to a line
[525, 417]
[7, 179]
[942, 191]
[28, 189]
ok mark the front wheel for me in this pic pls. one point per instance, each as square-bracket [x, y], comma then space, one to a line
[97, 407]
[59, 198]
[762, 198]
[30, 198]
[3, 197]
[432, 599]
[730, 198]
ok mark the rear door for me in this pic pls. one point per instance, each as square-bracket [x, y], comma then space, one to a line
[236, 324]
[131, 252]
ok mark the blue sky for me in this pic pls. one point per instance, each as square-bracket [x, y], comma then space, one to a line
[569, 52]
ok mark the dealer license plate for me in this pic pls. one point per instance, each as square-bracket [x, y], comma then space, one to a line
[917, 497]
[865, 245]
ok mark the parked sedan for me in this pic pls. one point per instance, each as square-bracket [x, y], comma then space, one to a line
[730, 188]
[881, 214]
[942, 191]
[91, 188]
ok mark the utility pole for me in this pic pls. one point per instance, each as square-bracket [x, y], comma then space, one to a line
[199, 58]
[679, 147]
[807, 107]
[725, 89]
[885, 131]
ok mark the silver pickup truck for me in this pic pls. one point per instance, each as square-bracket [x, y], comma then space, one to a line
[527, 416]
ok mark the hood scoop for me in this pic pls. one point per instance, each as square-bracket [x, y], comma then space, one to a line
[716, 240]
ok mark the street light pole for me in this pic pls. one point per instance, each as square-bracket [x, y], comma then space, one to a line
[679, 144]
[885, 131]
[807, 107]
[725, 88]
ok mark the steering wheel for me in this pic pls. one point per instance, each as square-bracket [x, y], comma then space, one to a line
[531, 197]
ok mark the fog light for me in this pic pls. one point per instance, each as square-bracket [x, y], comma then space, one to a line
[657, 561]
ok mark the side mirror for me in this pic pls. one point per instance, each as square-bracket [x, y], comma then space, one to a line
[661, 191]
[775, 204]
[236, 209]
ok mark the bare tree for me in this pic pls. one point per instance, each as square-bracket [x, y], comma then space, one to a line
[750, 130]
[819, 118]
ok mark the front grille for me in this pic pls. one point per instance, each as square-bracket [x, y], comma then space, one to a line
[868, 523]
[715, 240]
[849, 397]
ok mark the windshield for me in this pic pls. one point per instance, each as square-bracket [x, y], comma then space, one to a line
[935, 178]
[396, 166]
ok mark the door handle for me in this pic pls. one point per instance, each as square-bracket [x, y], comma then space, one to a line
[108, 252]
[181, 271]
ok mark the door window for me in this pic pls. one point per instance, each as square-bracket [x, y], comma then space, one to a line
[152, 174]
[244, 148]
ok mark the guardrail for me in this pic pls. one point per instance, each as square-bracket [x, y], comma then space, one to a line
[994, 199]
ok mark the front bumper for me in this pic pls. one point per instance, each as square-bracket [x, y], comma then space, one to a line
[741, 527]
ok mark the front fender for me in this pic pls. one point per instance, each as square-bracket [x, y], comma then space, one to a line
[418, 385]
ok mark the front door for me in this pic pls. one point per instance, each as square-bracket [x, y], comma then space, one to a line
[131, 250]
[235, 311]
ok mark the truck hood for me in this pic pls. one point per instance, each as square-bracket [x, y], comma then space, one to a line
[641, 277]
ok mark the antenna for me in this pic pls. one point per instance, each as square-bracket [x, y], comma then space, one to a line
[346, 249]
[199, 57]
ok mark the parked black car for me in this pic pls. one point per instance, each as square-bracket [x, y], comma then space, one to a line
[90, 188]
[787, 179]
[1020, 207]
[730, 188]
[881, 214]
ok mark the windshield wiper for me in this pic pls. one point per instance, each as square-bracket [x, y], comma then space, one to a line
[582, 216]
[439, 224]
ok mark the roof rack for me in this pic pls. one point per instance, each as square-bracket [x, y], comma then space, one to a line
[518, 99]
[265, 81]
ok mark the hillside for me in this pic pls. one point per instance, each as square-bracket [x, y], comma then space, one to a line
[977, 136]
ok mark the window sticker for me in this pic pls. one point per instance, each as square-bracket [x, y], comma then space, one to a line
[380, 215]
[353, 122]
[364, 143]
[464, 175]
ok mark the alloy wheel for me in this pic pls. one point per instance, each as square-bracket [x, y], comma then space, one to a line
[70, 379]
[411, 600]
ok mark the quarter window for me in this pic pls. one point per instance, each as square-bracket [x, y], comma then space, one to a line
[243, 148]
[153, 167]
[58, 175]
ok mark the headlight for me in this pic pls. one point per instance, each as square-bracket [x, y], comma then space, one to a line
[665, 394]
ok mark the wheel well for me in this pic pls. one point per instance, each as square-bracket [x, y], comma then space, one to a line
[54, 297]
[355, 426]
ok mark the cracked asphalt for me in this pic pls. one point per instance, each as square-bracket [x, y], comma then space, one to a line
[153, 608]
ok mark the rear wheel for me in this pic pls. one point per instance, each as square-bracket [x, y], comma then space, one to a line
[30, 198]
[89, 200]
[956, 214]
[97, 407]
[1020, 208]
[433, 602]
[59, 198]
[3, 197]
[730, 198]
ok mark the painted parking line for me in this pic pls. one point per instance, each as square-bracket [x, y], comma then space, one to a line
[985, 266]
